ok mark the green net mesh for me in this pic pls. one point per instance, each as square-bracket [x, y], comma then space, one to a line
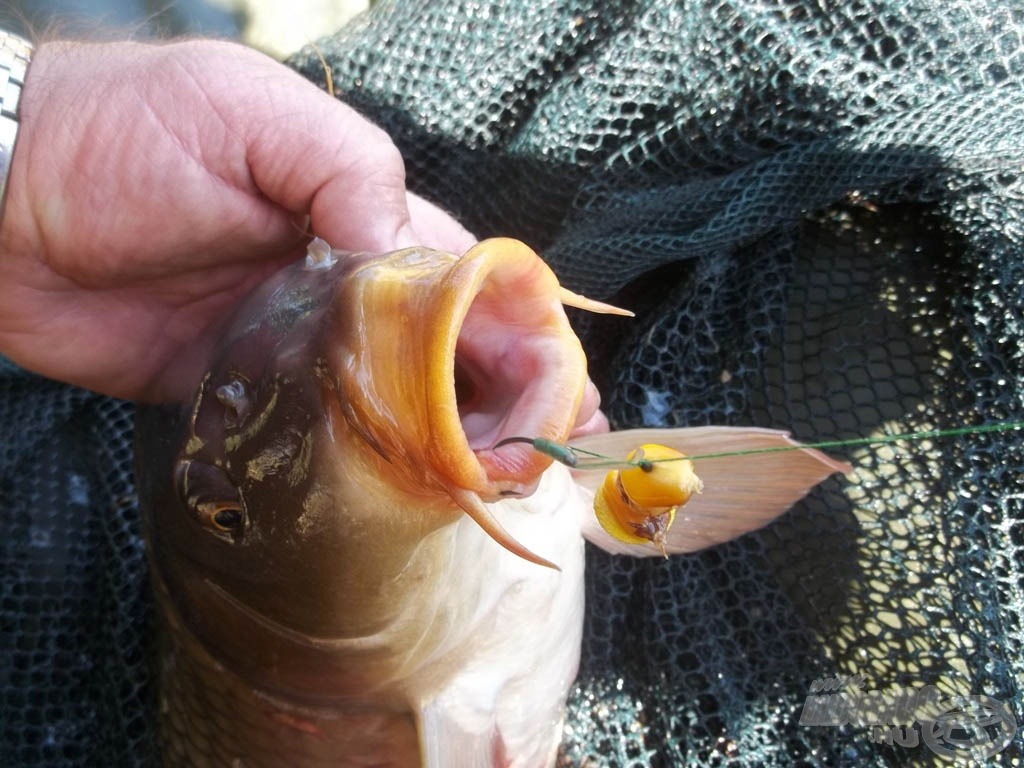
[816, 210]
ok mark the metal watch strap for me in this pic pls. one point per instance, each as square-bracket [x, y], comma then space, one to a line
[15, 53]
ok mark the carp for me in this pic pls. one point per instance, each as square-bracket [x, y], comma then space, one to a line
[356, 560]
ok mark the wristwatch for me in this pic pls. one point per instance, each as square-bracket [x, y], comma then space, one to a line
[15, 53]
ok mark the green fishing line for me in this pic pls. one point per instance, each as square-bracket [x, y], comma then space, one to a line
[578, 457]
[1008, 426]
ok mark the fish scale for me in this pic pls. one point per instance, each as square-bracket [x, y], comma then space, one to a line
[210, 716]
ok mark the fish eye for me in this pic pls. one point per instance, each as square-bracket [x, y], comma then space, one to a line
[228, 518]
[211, 498]
[223, 516]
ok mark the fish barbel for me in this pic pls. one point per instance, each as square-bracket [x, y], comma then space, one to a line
[323, 520]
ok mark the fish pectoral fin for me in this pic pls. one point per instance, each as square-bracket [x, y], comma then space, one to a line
[740, 493]
[455, 737]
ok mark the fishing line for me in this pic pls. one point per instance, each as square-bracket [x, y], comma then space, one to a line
[566, 454]
[579, 458]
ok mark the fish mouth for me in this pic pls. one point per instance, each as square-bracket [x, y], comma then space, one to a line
[516, 368]
[453, 356]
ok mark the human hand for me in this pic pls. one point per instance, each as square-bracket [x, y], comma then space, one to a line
[153, 186]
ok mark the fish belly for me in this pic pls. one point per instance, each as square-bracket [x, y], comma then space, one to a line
[504, 704]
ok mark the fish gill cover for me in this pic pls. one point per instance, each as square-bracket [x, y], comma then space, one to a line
[816, 210]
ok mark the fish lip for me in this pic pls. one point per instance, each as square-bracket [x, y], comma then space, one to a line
[513, 366]
[443, 356]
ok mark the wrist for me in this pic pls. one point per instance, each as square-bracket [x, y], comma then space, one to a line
[15, 54]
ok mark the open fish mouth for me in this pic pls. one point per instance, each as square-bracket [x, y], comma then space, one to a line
[457, 354]
[516, 367]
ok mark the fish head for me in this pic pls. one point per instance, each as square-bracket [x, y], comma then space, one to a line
[349, 413]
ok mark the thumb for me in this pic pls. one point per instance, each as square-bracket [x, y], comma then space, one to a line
[434, 228]
[312, 154]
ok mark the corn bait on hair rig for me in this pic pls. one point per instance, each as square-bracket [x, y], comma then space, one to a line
[638, 500]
